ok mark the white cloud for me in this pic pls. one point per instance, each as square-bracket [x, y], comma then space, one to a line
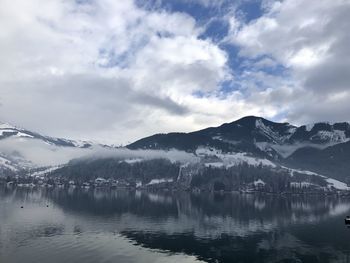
[112, 71]
[40, 153]
[101, 68]
[309, 39]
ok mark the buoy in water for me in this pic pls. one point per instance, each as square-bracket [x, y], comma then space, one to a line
[21, 206]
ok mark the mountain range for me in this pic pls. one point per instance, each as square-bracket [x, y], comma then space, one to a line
[259, 133]
[322, 148]
[21, 149]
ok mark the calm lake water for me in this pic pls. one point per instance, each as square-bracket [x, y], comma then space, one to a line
[133, 226]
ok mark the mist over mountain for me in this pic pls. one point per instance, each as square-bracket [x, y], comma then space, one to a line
[320, 149]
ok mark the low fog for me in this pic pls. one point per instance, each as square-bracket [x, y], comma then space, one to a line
[40, 153]
[124, 153]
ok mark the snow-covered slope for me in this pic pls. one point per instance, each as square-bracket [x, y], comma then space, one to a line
[215, 158]
[22, 149]
[251, 140]
[331, 183]
[7, 164]
[318, 135]
[254, 135]
[9, 131]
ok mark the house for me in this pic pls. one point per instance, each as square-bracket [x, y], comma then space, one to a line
[71, 184]
[259, 184]
[86, 185]
[100, 181]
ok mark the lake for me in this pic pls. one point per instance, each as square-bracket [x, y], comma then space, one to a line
[58, 225]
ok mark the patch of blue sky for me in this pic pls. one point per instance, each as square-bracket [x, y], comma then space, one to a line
[235, 61]
[245, 75]
[214, 17]
[250, 10]
[262, 63]
[278, 70]
[193, 8]
[229, 86]
[216, 30]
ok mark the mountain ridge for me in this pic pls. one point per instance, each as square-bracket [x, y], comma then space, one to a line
[281, 143]
[320, 147]
[7, 131]
[251, 129]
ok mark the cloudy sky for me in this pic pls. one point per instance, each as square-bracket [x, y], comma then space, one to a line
[115, 71]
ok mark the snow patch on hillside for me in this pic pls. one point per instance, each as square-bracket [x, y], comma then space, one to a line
[131, 161]
[267, 131]
[45, 171]
[21, 134]
[230, 159]
[309, 127]
[159, 181]
[275, 136]
[337, 184]
[335, 136]
[331, 182]
[7, 164]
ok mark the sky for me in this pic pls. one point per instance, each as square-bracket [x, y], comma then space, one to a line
[116, 71]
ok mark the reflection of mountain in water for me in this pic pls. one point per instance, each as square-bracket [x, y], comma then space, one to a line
[206, 215]
[222, 227]
[216, 228]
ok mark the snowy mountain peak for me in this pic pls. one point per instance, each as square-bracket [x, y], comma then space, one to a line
[323, 133]
[277, 132]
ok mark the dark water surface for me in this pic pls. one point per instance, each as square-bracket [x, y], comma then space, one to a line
[133, 226]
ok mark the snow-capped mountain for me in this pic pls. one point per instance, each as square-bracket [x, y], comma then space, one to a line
[321, 148]
[23, 149]
[281, 143]
[9, 131]
[256, 132]
[322, 133]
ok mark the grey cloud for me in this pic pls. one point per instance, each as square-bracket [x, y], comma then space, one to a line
[311, 110]
[333, 74]
[311, 41]
[52, 81]
[81, 103]
[165, 103]
[56, 75]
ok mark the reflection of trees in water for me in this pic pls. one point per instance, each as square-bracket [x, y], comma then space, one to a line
[212, 212]
[21, 194]
[207, 215]
[227, 227]
[244, 207]
[224, 227]
[275, 246]
[112, 203]
[259, 210]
